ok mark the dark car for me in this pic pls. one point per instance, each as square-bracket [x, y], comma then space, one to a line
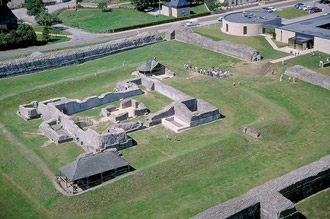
[298, 5]
[315, 9]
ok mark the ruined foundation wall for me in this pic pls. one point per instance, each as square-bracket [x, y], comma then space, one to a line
[277, 197]
[236, 50]
[73, 56]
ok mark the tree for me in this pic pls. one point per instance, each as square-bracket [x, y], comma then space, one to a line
[78, 2]
[26, 34]
[44, 18]
[34, 7]
[102, 5]
[142, 4]
[46, 33]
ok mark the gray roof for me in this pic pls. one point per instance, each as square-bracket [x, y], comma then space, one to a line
[310, 27]
[250, 17]
[93, 164]
[178, 4]
[147, 66]
[6, 16]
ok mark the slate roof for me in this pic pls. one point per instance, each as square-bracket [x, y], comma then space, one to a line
[147, 66]
[90, 165]
[178, 4]
[311, 27]
[6, 16]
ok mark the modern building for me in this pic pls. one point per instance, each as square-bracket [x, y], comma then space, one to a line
[8, 20]
[249, 23]
[93, 169]
[176, 8]
[307, 34]
[151, 67]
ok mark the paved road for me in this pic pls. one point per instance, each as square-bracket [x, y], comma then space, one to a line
[82, 37]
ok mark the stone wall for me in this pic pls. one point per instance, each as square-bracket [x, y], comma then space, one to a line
[276, 198]
[128, 127]
[73, 56]
[185, 34]
[308, 75]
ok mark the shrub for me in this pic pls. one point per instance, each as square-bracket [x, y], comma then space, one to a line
[22, 37]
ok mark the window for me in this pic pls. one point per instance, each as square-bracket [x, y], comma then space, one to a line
[226, 27]
[244, 30]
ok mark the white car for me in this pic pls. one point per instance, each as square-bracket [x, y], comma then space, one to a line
[306, 8]
[301, 6]
[148, 9]
[272, 8]
[220, 18]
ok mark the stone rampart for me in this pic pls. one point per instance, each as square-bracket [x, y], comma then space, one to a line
[308, 75]
[276, 198]
[186, 34]
[73, 56]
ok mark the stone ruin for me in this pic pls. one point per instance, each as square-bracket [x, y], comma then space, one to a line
[73, 56]
[276, 198]
[308, 75]
[129, 108]
[184, 112]
[186, 34]
[252, 132]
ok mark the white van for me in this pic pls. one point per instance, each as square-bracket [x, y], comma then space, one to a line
[192, 22]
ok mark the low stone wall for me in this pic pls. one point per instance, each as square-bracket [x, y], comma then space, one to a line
[73, 56]
[128, 127]
[186, 34]
[308, 75]
[276, 198]
[119, 117]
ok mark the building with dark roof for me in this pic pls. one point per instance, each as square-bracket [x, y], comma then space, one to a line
[176, 8]
[151, 67]
[249, 23]
[93, 169]
[8, 20]
[307, 34]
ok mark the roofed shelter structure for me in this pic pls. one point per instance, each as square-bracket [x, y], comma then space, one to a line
[92, 169]
[151, 67]
[176, 8]
[8, 20]
[307, 34]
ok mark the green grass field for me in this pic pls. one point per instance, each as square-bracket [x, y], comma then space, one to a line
[94, 20]
[260, 43]
[209, 164]
[52, 40]
[290, 13]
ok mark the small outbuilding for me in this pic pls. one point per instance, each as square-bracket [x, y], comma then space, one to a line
[151, 67]
[93, 169]
[176, 8]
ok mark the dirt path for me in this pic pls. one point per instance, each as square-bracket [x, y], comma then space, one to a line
[33, 158]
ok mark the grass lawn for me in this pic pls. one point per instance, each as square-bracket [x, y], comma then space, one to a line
[40, 28]
[290, 13]
[94, 20]
[198, 9]
[317, 206]
[209, 164]
[53, 39]
[279, 44]
[260, 43]
[311, 62]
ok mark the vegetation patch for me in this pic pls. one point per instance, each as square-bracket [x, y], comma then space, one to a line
[290, 13]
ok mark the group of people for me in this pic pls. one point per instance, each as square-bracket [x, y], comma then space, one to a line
[294, 53]
[210, 72]
[291, 79]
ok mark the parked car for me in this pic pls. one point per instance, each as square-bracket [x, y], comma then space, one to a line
[301, 6]
[192, 22]
[315, 9]
[298, 5]
[272, 8]
[306, 8]
[148, 9]
[267, 9]
[220, 18]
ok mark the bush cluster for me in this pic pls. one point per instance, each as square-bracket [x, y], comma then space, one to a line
[22, 37]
